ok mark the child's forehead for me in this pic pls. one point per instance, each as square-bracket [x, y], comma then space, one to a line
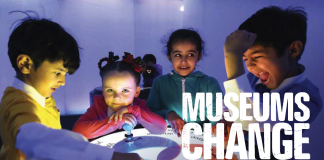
[260, 49]
[58, 65]
[188, 46]
[183, 42]
[118, 77]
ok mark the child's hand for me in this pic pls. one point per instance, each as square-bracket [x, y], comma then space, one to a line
[118, 116]
[238, 42]
[176, 123]
[227, 129]
[130, 119]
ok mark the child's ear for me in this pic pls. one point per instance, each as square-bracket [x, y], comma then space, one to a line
[138, 91]
[169, 57]
[199, 57]
[295, 49]
[24, 63]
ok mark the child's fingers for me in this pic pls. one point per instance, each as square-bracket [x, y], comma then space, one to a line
[180, 128]
[176, 128]
[111, 117]
[252, 37]
[120, 116]
[116, 118]
[121, 112]
[131, 119]
[214, 129]
[228, 129]
[173, 126]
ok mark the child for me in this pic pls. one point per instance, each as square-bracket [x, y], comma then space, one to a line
[184, 49]
[42, 53]
[119, 103]
[149, 59]
[271, 43]
[151, 71]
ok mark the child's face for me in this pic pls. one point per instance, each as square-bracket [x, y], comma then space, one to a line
[47, 78]
[264, 63]
[184, 57]
[119, 89]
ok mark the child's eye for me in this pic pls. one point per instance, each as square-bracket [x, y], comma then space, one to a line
[57, 73]
[257, 57]
[177, 55]
[125, 90]
[244, 59]
[110, 90]
[191, 55]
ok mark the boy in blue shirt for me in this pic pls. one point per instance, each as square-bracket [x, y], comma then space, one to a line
[271, 43]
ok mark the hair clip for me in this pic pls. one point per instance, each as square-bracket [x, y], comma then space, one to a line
[111, 58]
[136, 63]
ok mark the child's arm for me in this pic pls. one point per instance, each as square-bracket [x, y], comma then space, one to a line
[214, 87]
[153, 122]
[236, 44]
[91, 125]
[155, 104]
[37, 141]
[154, 101]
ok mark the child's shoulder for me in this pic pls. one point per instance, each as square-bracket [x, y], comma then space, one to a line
[15, 98]
[162, 78]
[139, 102]
[98, 99]
[305, 86]
[12, 94]
[205, 77]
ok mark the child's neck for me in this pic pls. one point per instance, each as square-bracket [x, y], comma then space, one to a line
[294, 70]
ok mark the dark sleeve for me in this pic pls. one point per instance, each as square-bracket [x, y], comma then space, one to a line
[154, 100]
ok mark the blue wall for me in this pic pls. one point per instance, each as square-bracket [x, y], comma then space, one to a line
[137, 26]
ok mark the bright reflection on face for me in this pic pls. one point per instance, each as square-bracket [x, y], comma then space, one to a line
[264, 63]
[119, 89]
[48, 77]
[184, 57]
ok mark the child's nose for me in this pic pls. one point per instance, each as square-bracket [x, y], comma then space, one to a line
[117, 97]
[62, 81]
[184, 59]
[250, 64]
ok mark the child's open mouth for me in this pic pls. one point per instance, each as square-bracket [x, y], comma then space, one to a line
[53, 89]
[183, 68]
[264, 77]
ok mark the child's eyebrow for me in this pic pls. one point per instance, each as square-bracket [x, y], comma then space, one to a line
[258, 51]
[62, 69]
[255, 52]
[176, 51]
[112, 87]
[127, 88]
[192, 51]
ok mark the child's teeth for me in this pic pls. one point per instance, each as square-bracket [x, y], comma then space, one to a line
[261, 73]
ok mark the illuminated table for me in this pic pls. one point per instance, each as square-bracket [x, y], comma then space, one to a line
[148, 146]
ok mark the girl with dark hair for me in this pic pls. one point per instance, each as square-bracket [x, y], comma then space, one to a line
[118, 103]
[184, 50]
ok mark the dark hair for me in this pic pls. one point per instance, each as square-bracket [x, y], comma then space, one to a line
[149, 58]
[43, 39]
[149, 75]
[181, 35]
[119, 66]
[277, 27]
